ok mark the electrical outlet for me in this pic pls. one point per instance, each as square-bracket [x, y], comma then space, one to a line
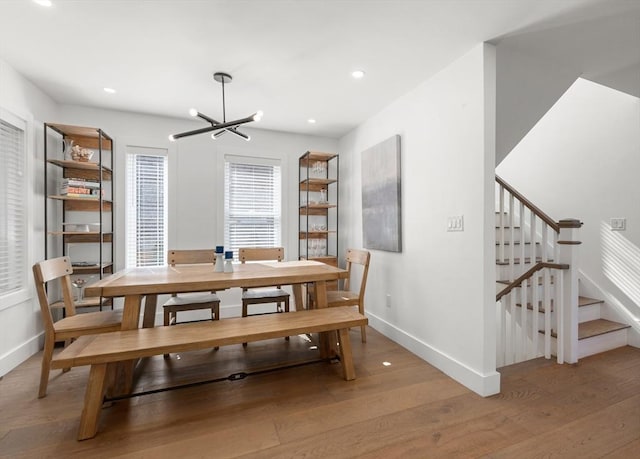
[618, 224]
[388, 300]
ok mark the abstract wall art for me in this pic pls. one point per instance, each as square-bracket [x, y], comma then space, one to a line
[381, 199]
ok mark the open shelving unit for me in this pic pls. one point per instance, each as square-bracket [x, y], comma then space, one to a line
[77, 226]
[318, 204]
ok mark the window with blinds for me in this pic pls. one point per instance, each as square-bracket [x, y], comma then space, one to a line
[252, 204]
[13, 202]
[146, 206]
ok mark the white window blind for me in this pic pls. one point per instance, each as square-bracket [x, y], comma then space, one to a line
[146, 207]
[252, 204]
[13, 202]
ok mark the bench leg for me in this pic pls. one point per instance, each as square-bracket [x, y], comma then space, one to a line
[346, 357]
[92, 402]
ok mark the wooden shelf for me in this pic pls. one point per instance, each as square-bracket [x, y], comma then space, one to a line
[317, 156]
[315, 234]
[315, 184]
[82, 204]
[94, 269]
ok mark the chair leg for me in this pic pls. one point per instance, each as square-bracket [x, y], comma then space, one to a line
[167, 322]
[286, 309]
[47, 355]
[215, 315]
[244, 314]
[363, 328]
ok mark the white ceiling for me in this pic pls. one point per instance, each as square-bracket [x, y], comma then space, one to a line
[293, 58]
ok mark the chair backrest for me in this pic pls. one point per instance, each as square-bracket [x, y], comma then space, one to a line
[189, 257]
[261, 254]
[359, 257]
[51, 270]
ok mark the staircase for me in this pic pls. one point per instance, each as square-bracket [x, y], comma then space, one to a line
[534, 268]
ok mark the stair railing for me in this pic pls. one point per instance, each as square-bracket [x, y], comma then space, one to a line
[535, 227]
[526, 311]
[549, 273]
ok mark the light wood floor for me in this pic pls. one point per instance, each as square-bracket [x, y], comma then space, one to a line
[407, 409]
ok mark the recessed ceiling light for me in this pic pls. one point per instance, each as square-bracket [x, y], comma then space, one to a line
[311, 121]
[357, 74]
[110, 90]
[43, 2]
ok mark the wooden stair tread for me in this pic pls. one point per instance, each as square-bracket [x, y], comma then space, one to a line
[586, 301]
[582, 301]
[598, 327]
[595, 328]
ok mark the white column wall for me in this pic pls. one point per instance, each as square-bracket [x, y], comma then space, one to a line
[442, 284]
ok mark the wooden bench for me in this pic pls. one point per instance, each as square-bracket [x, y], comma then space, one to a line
[104, 352]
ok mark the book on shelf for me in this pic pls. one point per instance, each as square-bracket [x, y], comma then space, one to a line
[80, 182]
[80, 191]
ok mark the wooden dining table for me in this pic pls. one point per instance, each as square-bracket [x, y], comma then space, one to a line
[138, 284]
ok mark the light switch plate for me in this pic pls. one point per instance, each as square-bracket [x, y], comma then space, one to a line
[455, 223]
[618, 224]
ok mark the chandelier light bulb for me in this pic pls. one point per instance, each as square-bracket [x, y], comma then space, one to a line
[193, 112]
[357, 74]
[258, 116]
[172, 138]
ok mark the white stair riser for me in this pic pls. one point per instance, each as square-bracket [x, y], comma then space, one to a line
[602, 343]
[589, 312]
[598, 344]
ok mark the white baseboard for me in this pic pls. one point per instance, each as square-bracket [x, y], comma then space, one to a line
[482, 384]
[17, 355]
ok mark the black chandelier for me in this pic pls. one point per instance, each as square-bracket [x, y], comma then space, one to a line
[216, 127]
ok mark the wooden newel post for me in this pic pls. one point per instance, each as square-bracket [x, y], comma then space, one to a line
[568, 242]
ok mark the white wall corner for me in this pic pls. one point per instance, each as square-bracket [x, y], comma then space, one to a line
[482, 384]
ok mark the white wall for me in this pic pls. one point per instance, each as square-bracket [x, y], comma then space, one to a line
[581, 161]
[20, 323]
[442, 284]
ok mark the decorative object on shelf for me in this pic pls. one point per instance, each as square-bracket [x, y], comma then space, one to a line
[81, 154]
[381, 205]
[217, 126]
[67, 147]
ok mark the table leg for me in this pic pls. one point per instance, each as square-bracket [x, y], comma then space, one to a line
[131, 312]
[150, 306]
[320, 301]
[297, 296]
[130, 321]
